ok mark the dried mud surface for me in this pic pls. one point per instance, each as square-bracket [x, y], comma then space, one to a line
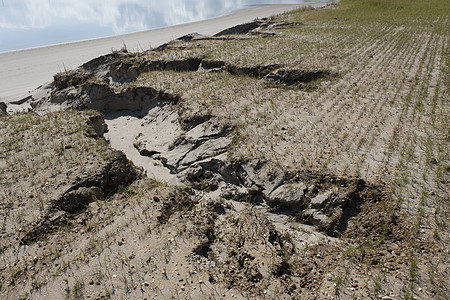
[301, 156]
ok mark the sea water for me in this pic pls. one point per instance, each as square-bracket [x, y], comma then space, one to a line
[34, 23]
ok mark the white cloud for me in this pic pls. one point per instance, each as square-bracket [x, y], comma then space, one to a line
[121, 15]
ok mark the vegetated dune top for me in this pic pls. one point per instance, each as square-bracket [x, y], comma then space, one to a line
[312, 146]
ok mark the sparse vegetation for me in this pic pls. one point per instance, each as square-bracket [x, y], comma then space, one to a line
[343, 112]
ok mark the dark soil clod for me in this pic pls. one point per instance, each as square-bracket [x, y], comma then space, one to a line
[298, 78]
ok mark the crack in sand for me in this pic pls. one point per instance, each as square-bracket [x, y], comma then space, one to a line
[125, 127]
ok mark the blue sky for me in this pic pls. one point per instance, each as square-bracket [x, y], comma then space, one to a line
[33, 23]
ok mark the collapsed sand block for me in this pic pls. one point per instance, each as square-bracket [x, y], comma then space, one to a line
[3, 109]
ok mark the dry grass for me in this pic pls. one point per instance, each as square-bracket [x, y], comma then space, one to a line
[382, 117]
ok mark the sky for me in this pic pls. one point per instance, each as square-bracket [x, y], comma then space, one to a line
[34, 23]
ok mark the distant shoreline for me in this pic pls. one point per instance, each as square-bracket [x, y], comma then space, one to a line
[111, 35]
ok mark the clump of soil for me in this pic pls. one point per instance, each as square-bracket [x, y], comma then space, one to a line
[3, 107]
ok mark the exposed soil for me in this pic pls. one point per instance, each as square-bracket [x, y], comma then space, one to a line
[292, 157]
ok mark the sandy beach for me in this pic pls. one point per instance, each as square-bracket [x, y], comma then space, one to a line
[25, 70]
